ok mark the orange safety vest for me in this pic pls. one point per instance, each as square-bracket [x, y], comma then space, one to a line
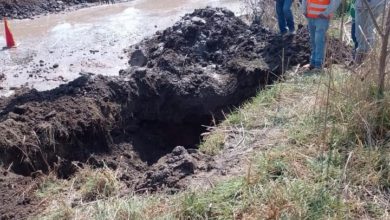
[316, 7]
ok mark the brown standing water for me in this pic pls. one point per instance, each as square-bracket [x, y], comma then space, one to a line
[55, 49]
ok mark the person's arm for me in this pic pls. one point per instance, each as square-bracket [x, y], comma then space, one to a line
[304, 7]
[332, 7]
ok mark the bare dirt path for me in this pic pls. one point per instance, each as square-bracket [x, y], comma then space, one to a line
[55, 49]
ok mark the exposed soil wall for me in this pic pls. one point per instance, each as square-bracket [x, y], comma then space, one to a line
[147, 119]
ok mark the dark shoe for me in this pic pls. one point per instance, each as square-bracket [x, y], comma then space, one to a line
[311, 67]
[315, 69]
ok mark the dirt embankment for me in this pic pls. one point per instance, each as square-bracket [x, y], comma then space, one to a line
[20, 9]
[180, 79]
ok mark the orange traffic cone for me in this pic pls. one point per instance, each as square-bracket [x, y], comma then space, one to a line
[8, 35]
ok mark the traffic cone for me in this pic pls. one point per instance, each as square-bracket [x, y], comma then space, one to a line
[8, 35]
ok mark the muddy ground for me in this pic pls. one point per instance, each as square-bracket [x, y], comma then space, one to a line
[16, 198]
[21, 9]
[147, 122]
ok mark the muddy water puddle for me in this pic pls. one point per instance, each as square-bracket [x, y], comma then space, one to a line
[57, 48]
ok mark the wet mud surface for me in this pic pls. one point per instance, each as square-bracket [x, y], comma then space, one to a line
[148, 121]
[58, 48]
[22, 9]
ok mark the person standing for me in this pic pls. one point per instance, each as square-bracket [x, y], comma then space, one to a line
[353, 27]
[365, 28]
[285, 17]
[318, 14]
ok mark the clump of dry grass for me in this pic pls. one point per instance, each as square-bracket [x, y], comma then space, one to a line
[97, 184]
[213, 142]
[360, 115]
[357, 125]
[87, 186]
[260, 11]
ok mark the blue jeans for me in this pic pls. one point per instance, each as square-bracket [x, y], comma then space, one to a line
[285, 15]
[317, 29]
[353, 34]
[354, 39]
[365, 32]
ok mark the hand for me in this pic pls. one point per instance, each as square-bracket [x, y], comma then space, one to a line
[323, 16]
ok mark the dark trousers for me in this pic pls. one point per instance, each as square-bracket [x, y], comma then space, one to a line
[285, 15]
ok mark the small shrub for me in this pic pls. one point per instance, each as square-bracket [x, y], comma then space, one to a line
[97, 184]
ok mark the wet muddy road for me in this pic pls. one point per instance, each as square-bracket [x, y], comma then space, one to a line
[58, 48]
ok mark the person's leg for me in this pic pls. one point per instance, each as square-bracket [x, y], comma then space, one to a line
[280, 16]
[288, 15]
[365, 31]
[353, 34]
[369, 31]
[322, 26]
[312, 33]
[370, 26]
[362, 23]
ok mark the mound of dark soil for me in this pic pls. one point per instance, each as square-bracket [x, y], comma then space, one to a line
[174, 167]
[21, 9]
[180, 79]
[196, 68]
[207, 40]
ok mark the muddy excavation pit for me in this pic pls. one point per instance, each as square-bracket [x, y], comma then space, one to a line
[148, 121]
